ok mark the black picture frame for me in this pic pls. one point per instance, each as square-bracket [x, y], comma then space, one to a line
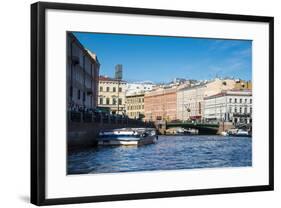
[38, 102]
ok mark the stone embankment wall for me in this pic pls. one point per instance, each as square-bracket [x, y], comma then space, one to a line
[83, 129]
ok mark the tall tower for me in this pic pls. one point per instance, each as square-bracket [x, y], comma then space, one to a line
[118, 72]
[118, 76]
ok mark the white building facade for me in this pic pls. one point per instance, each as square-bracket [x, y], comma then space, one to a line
[138, 88]
[231, 106]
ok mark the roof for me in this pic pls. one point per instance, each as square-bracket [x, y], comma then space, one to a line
[109, 79]
[93, 57]
[140, 94]
[231, 92]
[161, 91]
[198, 85]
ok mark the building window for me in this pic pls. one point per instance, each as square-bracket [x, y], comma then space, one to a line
[251, 101]
[235, 110]
[240, 100]
[230, 100]
[230, 109]
[114, 89]
[235, 100]
[114, 101]
[107, 101]
[120, 89]
[120, 100]
[101, 101]
[78, 95]
[71, 91]
[240, 110]
[84, 96]
[101, 89]
[245, 110]
[250, 110]
[107, 89]
[245, 100]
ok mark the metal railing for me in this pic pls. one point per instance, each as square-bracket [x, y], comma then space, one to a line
[103, 118]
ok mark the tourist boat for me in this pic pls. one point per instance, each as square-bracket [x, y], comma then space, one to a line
[128, 136]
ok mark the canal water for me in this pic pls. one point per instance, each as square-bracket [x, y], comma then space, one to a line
[169, 153]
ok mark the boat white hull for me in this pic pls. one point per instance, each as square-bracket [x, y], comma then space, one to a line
[126, 137]
[128, 142]
[116, 142]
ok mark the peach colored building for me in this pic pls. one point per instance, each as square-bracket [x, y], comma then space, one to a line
[190, 100]
[160, 104]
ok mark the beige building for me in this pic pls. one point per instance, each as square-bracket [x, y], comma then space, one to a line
[243, 85]
[82, 76]
[135, 106]
[112, 94]
[190, 100]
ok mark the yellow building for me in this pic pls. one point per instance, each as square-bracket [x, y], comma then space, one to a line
[135, 106]
[112, 94]
[243, 85]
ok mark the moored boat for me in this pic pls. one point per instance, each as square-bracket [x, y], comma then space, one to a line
[239, 133]
[224, 133]
[180, 131]
[128, 136]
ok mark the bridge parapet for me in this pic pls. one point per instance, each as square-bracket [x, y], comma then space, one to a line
[203, 128]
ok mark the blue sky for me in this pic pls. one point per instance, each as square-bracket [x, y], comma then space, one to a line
[161, 59]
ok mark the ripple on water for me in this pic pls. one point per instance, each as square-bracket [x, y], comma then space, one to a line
[170, 153]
